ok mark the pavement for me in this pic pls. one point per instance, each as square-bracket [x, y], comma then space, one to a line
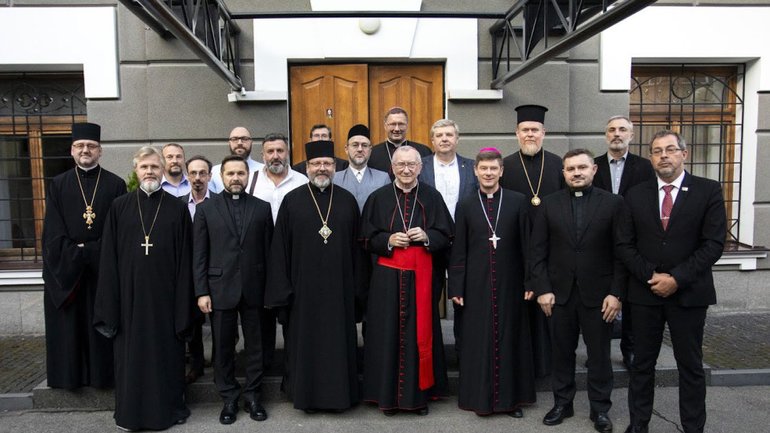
[736, 353]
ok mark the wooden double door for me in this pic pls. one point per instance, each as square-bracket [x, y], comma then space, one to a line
[341, 96]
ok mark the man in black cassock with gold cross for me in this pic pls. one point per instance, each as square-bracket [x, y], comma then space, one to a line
[144, 300]
[316, 278]
[486, 281]
[534, 172]
[76, 208]
[407, 226]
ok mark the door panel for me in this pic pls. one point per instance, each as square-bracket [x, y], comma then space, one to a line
[335, 95]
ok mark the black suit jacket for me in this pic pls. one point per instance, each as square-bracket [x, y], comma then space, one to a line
[693, 242]
[561, 256]
[635, 171]
[228, 266]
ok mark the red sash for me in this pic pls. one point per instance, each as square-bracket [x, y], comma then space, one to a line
[418, 259]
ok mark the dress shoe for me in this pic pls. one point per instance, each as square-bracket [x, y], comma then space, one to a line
[229, 413]
[516, 413]
[636, 429]
[423, 411]
[601, 421]
[181, 420]
[389, 412]
[192, 376]
[310, 411]
[256, 411]
[557, 414]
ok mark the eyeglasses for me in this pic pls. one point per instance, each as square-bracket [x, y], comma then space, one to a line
[398, 125]
[319, 164]
[237, 139]
[402, 165]
[670, 150]
[90, 146]
[360, 145]
[194, 174]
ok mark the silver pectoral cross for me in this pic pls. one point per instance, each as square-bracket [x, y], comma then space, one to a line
[146, 245]
[494, 240]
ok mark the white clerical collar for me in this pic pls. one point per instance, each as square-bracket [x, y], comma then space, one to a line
[87, 169]
[402, 188]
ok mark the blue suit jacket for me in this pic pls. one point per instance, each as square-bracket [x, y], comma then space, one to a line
[372, 180]
[468, 182]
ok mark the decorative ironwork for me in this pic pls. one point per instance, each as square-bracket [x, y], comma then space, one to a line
[33, 96]
[705, 105]
[530, 24]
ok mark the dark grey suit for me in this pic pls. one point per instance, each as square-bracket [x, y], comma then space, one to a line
[229, 265]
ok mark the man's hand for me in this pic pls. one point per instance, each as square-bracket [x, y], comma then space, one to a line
[458, 300]
[546, 302]
[528, 295]
[204, 303]
[663, 285]
[610, 308]
[398, 240]
[417, 234]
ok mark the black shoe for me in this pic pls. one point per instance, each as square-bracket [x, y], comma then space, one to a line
[423, 411]
[601, 421]
[229, 412]
[181, 420]
[255, 410]
[516, 413]
[636, 429]
[389, 412]
[557, 414]
[310, 411]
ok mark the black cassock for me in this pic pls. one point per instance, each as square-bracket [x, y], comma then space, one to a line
[514, 178]
[76, 355]
[391, 360]
[319, 285]
[496, 364]
[145, 301]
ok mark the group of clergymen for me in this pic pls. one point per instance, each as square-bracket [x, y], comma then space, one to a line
[377, 238]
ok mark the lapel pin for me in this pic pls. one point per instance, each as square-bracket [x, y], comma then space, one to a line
[684, 188]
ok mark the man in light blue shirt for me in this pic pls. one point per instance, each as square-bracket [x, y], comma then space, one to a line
[174, 180]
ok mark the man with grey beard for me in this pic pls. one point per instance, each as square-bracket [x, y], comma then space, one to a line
[144, 300]
[271, 183]
[316, 279]
[534, 172]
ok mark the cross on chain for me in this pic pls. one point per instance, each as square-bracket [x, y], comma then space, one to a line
[494, 240]
[146, 245]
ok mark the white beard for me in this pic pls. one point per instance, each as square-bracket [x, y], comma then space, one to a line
[150, 186]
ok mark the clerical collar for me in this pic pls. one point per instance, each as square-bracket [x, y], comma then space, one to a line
[582, 192]
[532, 156]
[320, 190]
[396, 145]
[86, 169]
[490, 195]
[230, 195]
[149, 193]
[402, 188]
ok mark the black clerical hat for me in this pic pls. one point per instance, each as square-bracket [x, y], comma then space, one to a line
[358, 130]
[530, 113]
[319, 149]
[86, 131]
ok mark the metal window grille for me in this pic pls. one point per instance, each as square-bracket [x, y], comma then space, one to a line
[705, 105]
[36, 114]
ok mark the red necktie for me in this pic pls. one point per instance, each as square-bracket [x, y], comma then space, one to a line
[668, 204]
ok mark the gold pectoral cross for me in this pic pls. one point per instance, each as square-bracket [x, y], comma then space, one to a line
[146, 245]
[89, 216]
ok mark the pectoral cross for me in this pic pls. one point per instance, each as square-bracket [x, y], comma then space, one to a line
[89, 216]
[146, 245]
[494, 240]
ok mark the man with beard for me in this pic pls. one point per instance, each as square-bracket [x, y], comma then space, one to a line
[579, 281]
[358, 178]
[76, 207]
[486, 283]
[320, 132]
[271, 184]
[174, 181]
[232, 238]
[316, 278]
[240, 142]
[408, 227]
[199, 171]
[145, 300]
[534, 172]
[618, 171]
[396, 126]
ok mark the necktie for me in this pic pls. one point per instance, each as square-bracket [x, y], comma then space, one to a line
[668, 204]
[359, 176]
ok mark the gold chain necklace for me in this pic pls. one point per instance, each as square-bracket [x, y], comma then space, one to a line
[89, 214]
[325, 231]
[535, 199]
[147, 234]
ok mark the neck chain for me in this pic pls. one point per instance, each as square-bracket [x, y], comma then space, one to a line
[398, 204]
[146, 245]
[494, 237]
[325, 231]
[387, 149]
[535, 199]
[89, 214]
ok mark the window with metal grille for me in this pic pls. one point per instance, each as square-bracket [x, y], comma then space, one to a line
[705, 105]
[36, 116]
